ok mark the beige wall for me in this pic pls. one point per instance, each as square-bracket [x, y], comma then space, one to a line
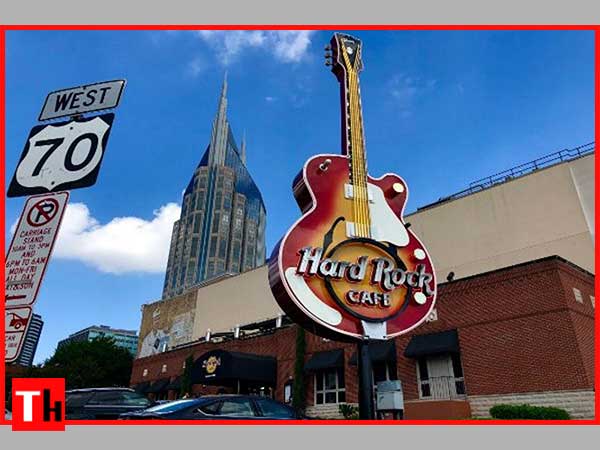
[242, 299]
[540, 214]
[545, 213]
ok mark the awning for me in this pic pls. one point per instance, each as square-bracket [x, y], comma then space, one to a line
[380, 351]
[220, 367]
[325, 360]
[174, 385]
[431, 344]
[158, 386]
[142, 388]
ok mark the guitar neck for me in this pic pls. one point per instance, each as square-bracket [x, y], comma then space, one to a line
[353, 145]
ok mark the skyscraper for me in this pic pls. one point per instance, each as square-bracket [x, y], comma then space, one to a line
[31, 341]
[222, 225]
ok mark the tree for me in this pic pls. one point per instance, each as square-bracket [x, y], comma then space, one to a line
[96, 363]
[186, 377]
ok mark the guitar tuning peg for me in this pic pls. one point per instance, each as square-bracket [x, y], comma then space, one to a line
[328, 63]
[327, 48]
[328, 55]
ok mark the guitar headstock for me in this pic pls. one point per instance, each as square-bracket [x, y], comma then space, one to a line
[345, 56]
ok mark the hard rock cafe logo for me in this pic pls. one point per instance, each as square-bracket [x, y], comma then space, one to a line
[367, 278]
[210, 364]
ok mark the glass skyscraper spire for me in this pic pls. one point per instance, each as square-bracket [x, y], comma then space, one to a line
[222, 225]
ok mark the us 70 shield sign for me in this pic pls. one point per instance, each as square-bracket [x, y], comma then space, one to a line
[61, 156]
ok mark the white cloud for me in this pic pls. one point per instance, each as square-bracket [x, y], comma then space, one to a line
[123, 245]
[270, 99]
[196, 66]
[286, 46]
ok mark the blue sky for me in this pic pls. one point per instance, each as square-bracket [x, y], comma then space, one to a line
[441, 109]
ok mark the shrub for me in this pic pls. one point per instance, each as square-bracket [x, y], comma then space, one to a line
[528, 412]
[348, 411]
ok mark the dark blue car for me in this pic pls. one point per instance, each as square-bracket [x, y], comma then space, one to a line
[232, 407]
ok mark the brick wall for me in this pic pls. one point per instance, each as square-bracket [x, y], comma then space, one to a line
[520, 331]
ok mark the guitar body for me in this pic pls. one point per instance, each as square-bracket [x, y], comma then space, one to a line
[349, 268]
[321, 195]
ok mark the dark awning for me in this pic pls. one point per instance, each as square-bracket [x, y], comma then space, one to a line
[430, 344]
[380, 351]
[221, 367]
[158, 386]
[174, 385]
[325, 360]
[142, 388]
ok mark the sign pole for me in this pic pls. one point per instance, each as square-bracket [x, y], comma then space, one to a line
[365, 382]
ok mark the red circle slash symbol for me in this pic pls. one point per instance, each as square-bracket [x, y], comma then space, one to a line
[42, 212]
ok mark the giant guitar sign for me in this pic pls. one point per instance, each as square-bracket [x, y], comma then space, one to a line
[350, 268]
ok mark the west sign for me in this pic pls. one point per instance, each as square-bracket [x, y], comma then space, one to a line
[350, 268]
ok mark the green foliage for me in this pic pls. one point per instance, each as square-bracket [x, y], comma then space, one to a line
[349, 412]
[524, 412]
[95, 363]
[299, 388]
[186, 377]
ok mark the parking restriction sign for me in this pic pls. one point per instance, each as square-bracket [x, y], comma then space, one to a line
[16, 324]
[31, 247]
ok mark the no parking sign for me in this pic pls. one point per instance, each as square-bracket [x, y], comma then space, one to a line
[31, 247]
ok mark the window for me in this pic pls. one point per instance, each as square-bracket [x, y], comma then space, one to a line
[145, 372]
[383, 371]
[269, 408]
[164, 368]
[287, 392]
[578, 296]
[236, 407]
[593, 300]
[211, 408]
[330, 387]
[440, 377]
[134, 399]
[106, 398]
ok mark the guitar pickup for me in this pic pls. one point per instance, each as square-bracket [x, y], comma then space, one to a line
[349, 192]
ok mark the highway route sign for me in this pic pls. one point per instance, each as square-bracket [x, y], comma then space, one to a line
[61, 156]
[82, 99]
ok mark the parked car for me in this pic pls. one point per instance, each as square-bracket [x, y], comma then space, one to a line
[103, 403]
[232, 407]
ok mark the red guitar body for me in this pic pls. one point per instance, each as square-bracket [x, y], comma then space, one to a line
[321, 196]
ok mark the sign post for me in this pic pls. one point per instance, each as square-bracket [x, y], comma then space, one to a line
[57, 157]
[366, 402]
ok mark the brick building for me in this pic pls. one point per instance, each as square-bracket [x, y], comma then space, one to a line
[519, 334]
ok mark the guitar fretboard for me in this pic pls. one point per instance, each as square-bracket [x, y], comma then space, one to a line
[355, 146]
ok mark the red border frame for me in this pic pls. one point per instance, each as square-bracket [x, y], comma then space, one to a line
[4, 28]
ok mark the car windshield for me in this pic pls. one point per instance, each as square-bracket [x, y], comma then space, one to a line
[172, 406]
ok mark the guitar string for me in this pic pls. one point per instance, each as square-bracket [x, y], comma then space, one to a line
[362, 185]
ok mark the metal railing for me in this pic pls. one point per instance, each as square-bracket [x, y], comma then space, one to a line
[443, 388]
[519, 171]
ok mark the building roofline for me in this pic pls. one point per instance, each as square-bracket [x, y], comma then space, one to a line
[515, 173]
[532, 262]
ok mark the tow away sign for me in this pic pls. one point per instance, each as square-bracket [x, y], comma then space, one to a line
[31, 247]
[16, 323]
[82, 99]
